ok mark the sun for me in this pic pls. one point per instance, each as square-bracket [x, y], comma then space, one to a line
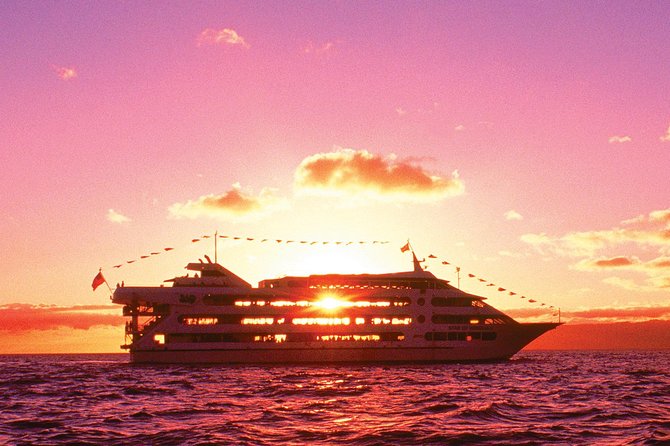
[330, 302]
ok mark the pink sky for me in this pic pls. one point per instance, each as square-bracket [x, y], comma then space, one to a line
[526, 142]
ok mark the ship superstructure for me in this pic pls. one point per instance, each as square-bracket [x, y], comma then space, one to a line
[214, 316]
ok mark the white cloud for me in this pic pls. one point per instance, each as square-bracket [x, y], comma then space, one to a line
[65, 73]
[666, 137]
[235, 203]
[513, 215]
[619, 139]
[359, 173]
[312, 48]
[116, 217]
[459, 128]
[224, 36]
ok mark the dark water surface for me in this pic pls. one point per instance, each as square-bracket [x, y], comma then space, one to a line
[536, 398]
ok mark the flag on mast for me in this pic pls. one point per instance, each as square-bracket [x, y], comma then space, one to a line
[405, 247]
[98, 280]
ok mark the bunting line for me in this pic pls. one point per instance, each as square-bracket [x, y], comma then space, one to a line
[257, 240]
[499, 289]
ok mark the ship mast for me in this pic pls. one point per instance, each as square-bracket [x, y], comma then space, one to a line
[216, 243]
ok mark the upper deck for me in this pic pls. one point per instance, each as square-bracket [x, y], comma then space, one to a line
[402, 280]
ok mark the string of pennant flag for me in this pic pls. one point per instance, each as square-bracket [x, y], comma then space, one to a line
[257, 240]
[489, 284]
[312, 242]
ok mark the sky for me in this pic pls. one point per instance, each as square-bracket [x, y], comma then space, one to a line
[527, 143]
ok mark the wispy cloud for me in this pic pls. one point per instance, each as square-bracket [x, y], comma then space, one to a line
[225, 36]
[636, 313]
[459, 128]
[234, 203]
[400, 111]
[619, 139]
[666, 137]
[348, 172]
[513, 215]
[27, 317]
[65, 73]
[116, 217]
[313, 48]
[644, 232]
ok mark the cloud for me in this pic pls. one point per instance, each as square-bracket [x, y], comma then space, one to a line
[401, 111]
[459, 128]
[26, 317]
[312, 48]
[116, 217]
[348, 172]
[65, 73]
[513, 215]
[619, 139]
[642, 233]
[647, 230]
[234, 203]
[666, 137]
[224, 36]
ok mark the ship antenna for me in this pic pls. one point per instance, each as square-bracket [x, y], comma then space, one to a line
[216, 243]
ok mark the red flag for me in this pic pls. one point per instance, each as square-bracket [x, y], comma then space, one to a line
[98, 280]
[405, 248]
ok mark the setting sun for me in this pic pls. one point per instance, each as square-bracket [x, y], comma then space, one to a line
[331, 302]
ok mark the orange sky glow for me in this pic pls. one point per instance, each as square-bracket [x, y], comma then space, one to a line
[527, 144]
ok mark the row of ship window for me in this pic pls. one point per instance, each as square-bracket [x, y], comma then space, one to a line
[318, 337]
[222, 319]
[397, 301]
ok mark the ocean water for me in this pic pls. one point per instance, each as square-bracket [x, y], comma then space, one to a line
[535, 398]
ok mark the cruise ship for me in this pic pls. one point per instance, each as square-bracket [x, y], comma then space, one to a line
[212, 316]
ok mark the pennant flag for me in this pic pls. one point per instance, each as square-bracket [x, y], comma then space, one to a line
[432, 257]
[278, 240]
[118, 266]
[223, 236]
[130, 261]
[405, 247]
[195, 240]
[236, 238]
[205, 236]
[523, 297]
[250, 239]
[445, 263]
[542, 304]
[168, 249]
[264, 240]
[501, 289]
[155, 253]
[491, 284]
[144, 257]
[482, 280]
[98, 280]
[313, 243]
[471, 275]
[532, 301]
[512, 293]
